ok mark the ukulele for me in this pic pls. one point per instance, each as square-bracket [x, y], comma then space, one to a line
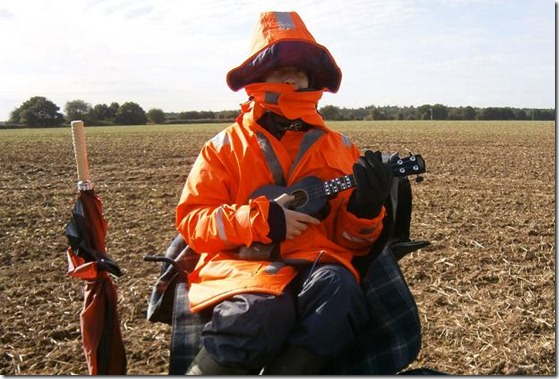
[311, 193]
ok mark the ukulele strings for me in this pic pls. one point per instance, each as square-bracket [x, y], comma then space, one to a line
[319, 189]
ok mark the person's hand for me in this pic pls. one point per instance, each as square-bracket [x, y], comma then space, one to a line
[295, 222]
[374, 180]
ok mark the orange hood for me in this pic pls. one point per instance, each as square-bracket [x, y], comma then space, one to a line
[281, 39]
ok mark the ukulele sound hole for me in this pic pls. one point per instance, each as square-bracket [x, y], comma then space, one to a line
[301, 198]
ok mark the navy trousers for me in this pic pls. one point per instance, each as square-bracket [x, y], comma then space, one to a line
[322, 310]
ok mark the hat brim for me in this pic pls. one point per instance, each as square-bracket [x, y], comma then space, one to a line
[313, 58]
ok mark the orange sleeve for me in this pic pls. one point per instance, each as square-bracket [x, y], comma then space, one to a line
[358, 234]
[207, 217]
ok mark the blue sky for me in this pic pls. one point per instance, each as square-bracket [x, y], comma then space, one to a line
[174, 54]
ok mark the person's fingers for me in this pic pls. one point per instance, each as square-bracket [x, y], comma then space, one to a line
[373, 156]
[296, 223]
[307, 219]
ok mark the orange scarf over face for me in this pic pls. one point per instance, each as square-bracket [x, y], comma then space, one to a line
[284, 100]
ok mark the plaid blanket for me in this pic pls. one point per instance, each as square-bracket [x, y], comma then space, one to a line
[391, 341]
[168, 304]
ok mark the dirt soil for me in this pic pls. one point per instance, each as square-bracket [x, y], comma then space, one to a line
[485, 288]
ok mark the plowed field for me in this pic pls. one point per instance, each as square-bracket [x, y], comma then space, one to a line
[485, 288]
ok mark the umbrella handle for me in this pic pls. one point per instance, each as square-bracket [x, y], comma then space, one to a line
[80, 152]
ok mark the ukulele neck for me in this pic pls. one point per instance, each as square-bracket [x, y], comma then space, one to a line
[339, 184]
[411, 165]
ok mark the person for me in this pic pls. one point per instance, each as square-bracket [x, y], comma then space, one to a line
[289, 308]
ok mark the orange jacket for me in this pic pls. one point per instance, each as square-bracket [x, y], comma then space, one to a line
[216, 215]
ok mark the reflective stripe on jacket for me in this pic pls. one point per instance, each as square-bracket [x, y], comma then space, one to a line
[216, 216]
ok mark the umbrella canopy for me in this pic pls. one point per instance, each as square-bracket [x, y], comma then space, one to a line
[88, 260]
[86, 235]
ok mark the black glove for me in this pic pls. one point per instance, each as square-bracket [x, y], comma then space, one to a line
[374, 180]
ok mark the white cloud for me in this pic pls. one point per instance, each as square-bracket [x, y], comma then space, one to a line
[174, 54]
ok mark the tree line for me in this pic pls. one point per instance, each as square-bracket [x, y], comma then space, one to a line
[435, 112]
[38, 111]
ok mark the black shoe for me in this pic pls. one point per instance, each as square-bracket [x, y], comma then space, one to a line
[295, 360]
[205, 364]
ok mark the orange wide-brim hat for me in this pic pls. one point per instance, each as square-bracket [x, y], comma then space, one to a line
[281, 39]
